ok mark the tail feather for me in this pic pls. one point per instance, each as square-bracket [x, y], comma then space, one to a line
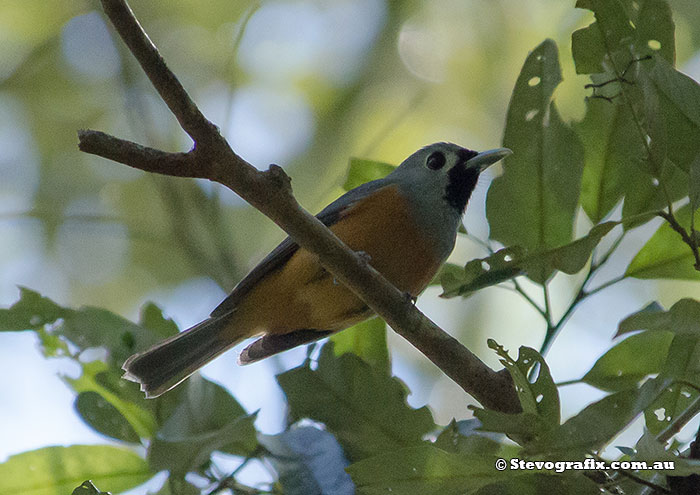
[168, 363]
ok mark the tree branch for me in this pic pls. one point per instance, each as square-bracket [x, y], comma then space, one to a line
[270, 192]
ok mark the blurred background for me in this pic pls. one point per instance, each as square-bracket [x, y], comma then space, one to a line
[306, 85]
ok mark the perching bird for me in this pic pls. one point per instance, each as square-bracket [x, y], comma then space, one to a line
[406, 223]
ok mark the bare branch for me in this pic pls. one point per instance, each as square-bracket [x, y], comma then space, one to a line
[270, 192]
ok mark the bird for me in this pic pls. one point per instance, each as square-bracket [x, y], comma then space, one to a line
[405, 225]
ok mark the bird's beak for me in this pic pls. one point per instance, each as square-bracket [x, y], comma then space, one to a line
[485, 159]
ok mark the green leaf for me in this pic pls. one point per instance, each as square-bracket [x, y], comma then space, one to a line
[611, 32]
[510, 262]
[31, 311]
[680, 108]
[665, 255]
[651, 451]
[362, 171]
[481, 273]
[58, 470]
[466, 437]
[207, 418]
[364, 408]
[597, 423]
[681, 366]
[96, 327]
[537, 393]
[424, 470]
[630, 361]
[533, 204]
[654, 29]
[366, 340]
[536, 483]
[104, 417]
[95, 377]
[522, 427]
[153, 319]
[694, 188]
[682, 318]
[612, 149]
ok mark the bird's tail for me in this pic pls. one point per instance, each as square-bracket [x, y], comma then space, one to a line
[168, 363]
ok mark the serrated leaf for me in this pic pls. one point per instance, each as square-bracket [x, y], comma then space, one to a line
[308, 460]
[59, 470]
[533, 382]
[31, 311]
[597, 423]
[665, 255]
[96, 327]
[623, 366]
[534, 202]
[362, 171]
[207, 418]
[366, 340]
[365, 409]
[104, 417]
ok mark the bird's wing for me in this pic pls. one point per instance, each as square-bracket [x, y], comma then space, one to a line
[281, 254]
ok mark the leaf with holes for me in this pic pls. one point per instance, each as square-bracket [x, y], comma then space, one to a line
[533, 204]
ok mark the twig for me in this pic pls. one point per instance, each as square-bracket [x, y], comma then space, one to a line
[673, 223]
[270, 192]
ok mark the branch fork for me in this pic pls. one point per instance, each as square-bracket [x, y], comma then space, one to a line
[270, 192]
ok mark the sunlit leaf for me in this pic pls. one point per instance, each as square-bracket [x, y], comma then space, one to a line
[59, 470]
[665, 255]
[132, 409]
[366, 340]
[362, 171]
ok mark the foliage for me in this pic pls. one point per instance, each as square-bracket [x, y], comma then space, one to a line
[350, 428]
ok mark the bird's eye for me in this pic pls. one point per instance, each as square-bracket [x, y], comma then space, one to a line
[435, 161]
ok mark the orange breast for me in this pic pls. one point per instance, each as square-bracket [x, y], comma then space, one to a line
[302, 295]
